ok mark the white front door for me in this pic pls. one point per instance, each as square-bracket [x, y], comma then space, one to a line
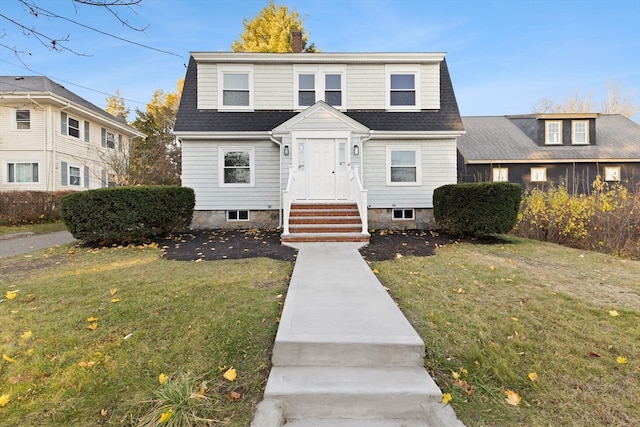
[322, 168]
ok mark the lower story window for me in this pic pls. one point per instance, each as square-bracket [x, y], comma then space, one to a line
[22, 172]
[500, 174]
[403, 214]
[236, 166]
[238, 215]
[403, 165]
[538, 174]
[74, 176]
[612, 173]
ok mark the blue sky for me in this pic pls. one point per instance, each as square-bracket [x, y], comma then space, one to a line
[503, 55]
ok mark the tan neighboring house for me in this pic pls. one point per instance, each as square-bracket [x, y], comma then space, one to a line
[53, 140]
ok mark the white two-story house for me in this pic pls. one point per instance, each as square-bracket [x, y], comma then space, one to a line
[53, 140]
[324, 145]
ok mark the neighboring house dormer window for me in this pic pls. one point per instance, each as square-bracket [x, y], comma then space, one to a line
[235, 87]
[553, 132]
[319, 83]
[23, 119]
[22, 172]
[580, 132]
[403, 88]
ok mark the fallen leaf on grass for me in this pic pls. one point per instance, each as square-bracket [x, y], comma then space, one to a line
[93, 326]
[26, 335]
[11, 294]
[162, 378]
[513, 398]
[231, 374]
[533, 376]
[91, 319]
[592, 354]
[113, 292]
[103, 413]
[165, 416]
[114, 300]
[87, 364]
[446, 398]
[613, 313]
[4, 399]
[375, 271]
[7, 358]
[234, 395]
[621, 360]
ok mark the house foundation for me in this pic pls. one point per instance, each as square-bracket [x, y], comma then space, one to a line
[203, 220]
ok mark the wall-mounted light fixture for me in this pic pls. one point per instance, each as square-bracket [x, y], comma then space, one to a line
[356, 149]
[286, 150]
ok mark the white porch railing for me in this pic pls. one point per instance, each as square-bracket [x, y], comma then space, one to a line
[288, 196]
[358, 194]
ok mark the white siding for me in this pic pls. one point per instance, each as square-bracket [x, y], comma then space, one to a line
[430, 84]
[200, 172]
[207, 89]
[438, 168]
[366, 87]
[273, 86]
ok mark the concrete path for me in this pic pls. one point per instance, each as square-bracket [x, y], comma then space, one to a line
[16, 244]
[344, 354]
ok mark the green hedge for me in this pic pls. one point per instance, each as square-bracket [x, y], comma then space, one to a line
[477, 209]
[127, 214]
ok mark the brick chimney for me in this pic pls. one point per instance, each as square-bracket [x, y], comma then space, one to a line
[296, 41]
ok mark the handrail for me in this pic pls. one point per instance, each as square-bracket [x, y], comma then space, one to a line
[288, 196]
[358, 194]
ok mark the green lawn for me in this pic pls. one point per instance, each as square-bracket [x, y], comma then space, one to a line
[49, 227]
[491, 315]
[190, 320]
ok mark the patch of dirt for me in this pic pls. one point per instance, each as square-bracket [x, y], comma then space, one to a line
[240, 244]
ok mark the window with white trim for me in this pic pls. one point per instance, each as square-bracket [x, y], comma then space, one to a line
[74, 127]
[404, 165]
[403, 87]
[238, 215]
[403, 214]
[538, 174]
[236, 167]
[580, 132]
[553, 132]
[22, 172]
[319, 83]
[235, 87]
[612, 173]
[110, 139]
[23, 119]
[500, 174]
[75, 176]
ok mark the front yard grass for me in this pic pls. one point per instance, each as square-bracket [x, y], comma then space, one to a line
[86, 334]
[48, 227]
[559, 327]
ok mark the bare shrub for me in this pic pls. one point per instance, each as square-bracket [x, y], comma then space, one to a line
[30, 207]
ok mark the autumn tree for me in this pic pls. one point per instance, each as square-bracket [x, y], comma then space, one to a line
[116, 106]
[270, 31]
[157, 159]
[614, 103]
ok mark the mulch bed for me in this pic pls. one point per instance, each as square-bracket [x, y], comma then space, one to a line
[239, 244]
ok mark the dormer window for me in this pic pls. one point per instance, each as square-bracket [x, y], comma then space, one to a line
[235, 88]
[580, 132]
[403, 87]
[553, 132]
[306, 89]
[319, 83]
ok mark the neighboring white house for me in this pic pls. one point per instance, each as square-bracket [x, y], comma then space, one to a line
[52, 140]
[266, 135]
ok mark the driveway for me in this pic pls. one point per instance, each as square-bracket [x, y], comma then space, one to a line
[16, 244]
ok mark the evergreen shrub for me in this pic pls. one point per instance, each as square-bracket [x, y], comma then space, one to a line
[127, 214]
[477, 209]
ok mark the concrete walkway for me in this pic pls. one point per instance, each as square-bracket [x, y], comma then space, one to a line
[344, 354]
[22, 243]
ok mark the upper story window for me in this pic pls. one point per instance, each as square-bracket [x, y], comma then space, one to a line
[235, 87]
[500, 174]
[403, 87]
[23, 119]
[553, 132]
[69, 125]
[580, 132]
[236, 166]
[22, 172]
[403, 165]
[319, 83]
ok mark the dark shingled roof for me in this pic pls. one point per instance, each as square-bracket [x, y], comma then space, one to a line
[41, 84]
[500, 138]
[190, 119]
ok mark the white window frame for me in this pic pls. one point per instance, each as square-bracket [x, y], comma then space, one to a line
[237, 213]
[75, 128]
[319, 73]
[538, 174]
[418, 165]
[235, 69]
[14, 182]
[403, 69]
[612, 173]
[80, 176]
[500, 174]
[17, 122]
[574, 133]
[547, 134]
[222, 150]
[403, 213]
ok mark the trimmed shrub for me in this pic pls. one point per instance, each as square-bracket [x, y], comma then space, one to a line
[127, 214]
[30, 207]
[477, 209]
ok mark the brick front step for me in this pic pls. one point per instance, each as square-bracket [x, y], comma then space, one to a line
[324, 237]
[325, 228]
[331, 222]
[325, 220]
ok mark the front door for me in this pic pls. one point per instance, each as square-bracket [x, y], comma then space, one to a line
[322, 168]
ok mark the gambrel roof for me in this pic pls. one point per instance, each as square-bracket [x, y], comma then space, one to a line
[512, 139]
[191, 119]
